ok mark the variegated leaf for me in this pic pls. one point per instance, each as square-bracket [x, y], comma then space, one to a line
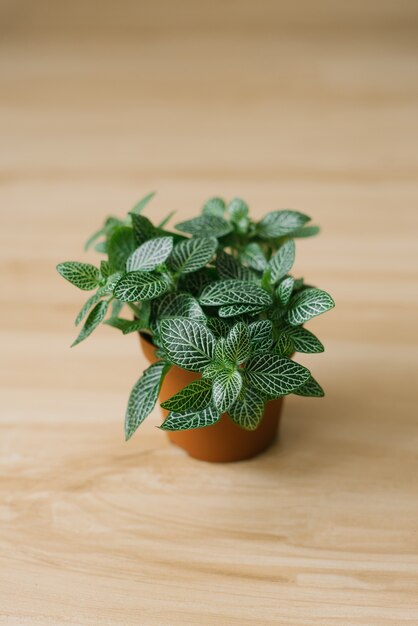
[237, 209]
[144, 396]
[282, 261]
[226, 388]
[308, 304]
[275, 376]
[248, 409]
[191, 419]
[261, 335]
[254, 257]
[150, 254]
[96, 316]
[179, 305]
[195, 397]
[214, 206]
[284, 290]
[205, 226]
[188, 343]
[234, 310]
[238, 344]
[304, 341]
[83, 275]
[143, 229]
[218, 326]
[137, 286]
[234, 292]
[228, 267]
[193, 254]
[281, 223]
[310, 389]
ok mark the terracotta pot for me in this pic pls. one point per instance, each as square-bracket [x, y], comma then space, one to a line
[224, 441]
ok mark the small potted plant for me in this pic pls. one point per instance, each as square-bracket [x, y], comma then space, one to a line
[219, 318]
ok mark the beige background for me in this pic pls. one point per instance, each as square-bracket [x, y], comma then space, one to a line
[305, 105]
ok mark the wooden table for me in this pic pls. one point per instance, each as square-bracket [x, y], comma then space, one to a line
[305, 105]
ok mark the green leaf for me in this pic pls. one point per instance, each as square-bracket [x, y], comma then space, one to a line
[150, 254]
[226, 388]
[275, 376]
[191, 419]
[261, 335]
[137, 286]
[144, 396]
[166, 219]
[82, 275]
[237, 209]
[205, 226]
[188, 343]
[306, 231]
[234, 310]
[179, 305]
[234, 292]
[238, 343]
[194, 397]
[143, 229]
[140, 206]
[281, 263]
[229, 267]
[310, 389]
[214, 206]
[284, 346]
[105, 269]
[126, 326]
[248, 409]
[95, 317]
[308, 304]
[304, 341]
[87, 306]
[192, 254]
[284, 290]
[219, 327]
[281, 223]
[194, 283]
[121, 245]
[254, 256]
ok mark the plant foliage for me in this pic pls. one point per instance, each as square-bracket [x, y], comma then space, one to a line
[217, 300]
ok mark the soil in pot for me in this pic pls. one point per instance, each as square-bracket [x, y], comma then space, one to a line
[224, 441]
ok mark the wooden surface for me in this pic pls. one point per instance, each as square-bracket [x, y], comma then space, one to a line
[311, 106]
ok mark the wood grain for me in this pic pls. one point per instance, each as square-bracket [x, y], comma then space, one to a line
[305, 105]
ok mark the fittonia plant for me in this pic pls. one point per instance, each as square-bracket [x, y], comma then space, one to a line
[217, 300]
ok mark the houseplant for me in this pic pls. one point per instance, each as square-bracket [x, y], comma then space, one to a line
[219, 318]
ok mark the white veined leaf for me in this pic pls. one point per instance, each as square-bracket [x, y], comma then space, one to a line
[143, 229]
[254, 257]
[194, 397]
[304, 341]
[192, 254]
[284, 346]
[95, 317]
[121, 245]
[281, 223]
[281, 263]
[205, 226]
[214, 206]
[234, 310]
[311, 389]
[275, 376]
[219, 327]
[136, 286]
[193, 283]
[141, 204]
[247, 411]
[308, 304]
[150, 254]
[191, 419]
[144, 396]
[234, 292]
[284, 290]
[87, 306]
[226, 388]
[237, 209]
[83, 275]
[228, 267]
[261, 335]
[188, 343]
[180, 305]
[238, 344]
